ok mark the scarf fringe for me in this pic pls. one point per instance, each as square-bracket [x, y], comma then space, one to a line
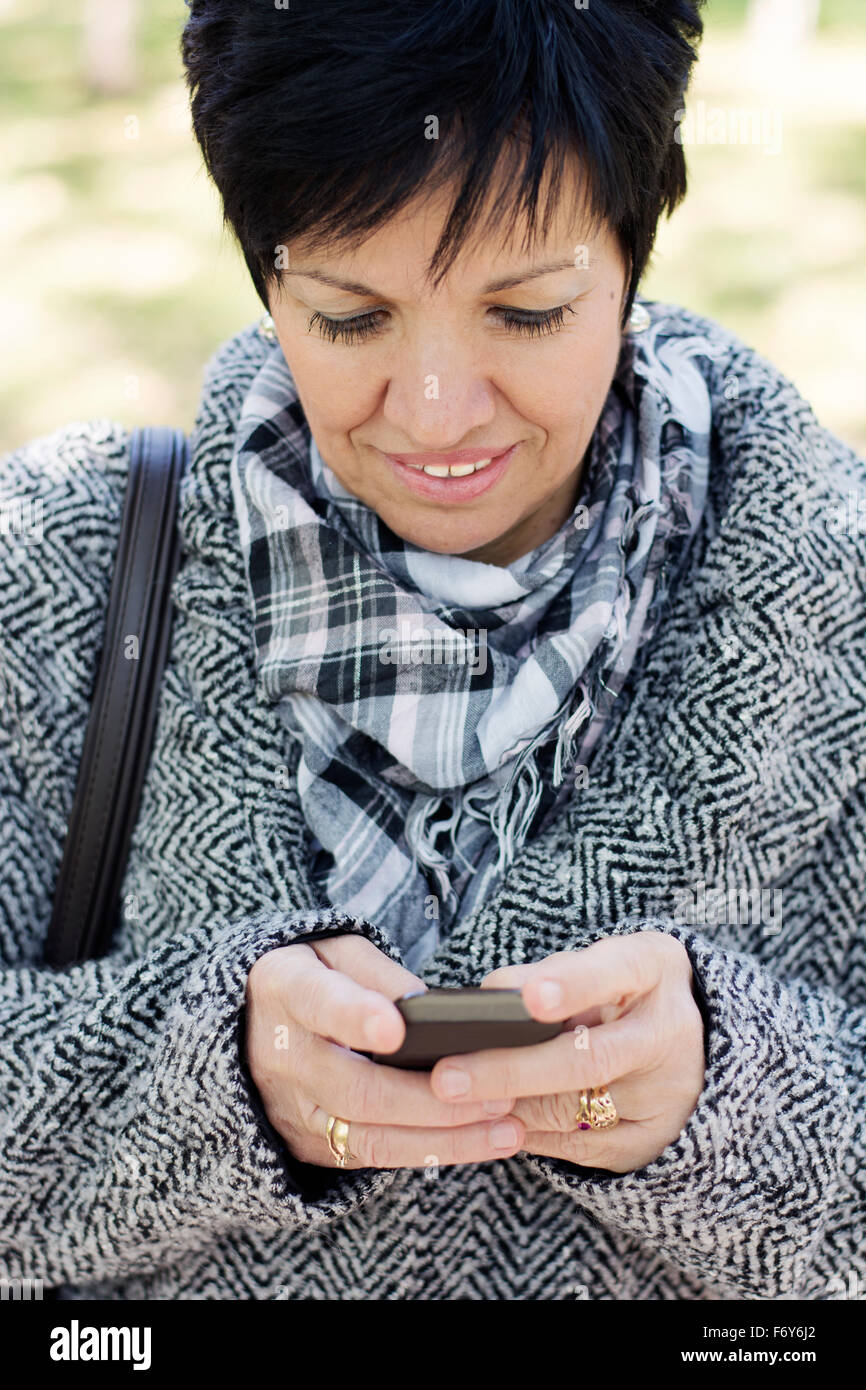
[420, 832]
[509, 810]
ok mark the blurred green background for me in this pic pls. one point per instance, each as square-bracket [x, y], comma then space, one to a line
[117, 281]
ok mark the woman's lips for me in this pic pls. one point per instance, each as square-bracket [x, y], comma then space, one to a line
[455, 487]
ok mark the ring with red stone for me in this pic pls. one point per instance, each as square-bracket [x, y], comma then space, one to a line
[596, 1109]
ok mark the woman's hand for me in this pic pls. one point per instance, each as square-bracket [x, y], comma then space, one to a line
[307, 1006]
[630, 1023]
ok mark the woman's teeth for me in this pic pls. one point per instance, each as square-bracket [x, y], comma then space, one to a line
[456, 470]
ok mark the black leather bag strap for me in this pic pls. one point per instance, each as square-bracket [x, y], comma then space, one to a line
[120, 730]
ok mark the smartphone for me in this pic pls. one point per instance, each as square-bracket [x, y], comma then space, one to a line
[445, 1022]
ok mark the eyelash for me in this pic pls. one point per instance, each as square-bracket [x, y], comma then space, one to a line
[354, 330]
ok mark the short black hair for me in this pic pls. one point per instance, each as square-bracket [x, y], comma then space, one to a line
[315, 120]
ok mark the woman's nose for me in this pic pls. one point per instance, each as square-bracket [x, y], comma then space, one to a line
[438, 395]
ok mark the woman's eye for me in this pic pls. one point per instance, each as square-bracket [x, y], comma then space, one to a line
[347, 330]
[535, 322]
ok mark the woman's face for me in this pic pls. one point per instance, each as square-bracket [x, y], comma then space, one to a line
[489, 365]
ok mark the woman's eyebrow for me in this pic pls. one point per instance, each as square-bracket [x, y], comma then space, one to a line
[494, 286]
[530, 273]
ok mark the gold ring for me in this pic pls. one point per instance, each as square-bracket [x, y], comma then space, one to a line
[596, 1109]
[337, 1135]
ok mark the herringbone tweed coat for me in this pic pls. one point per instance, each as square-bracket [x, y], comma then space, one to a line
[136, 1160]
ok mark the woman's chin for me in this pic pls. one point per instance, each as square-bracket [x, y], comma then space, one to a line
[448, 540]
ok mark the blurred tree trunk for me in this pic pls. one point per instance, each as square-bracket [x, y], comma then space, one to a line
[109, 45]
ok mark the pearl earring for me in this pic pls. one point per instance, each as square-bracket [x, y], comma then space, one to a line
[267, 328]
[638, 319]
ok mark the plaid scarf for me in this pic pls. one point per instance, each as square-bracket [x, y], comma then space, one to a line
[438, 699]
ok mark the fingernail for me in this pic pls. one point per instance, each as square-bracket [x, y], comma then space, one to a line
[497, 1107]
[504, 1135]
[454, 1082]
[550, 993]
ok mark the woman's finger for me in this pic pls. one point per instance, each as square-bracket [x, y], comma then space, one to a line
[324, 1001]
[393, 1146]
[611, 1050]
[557, 1113]
[623, 1149]
[614, 971]
[637, 1099]
[355, 1088]
[358, 958]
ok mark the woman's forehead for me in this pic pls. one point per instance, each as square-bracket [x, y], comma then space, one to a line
[396, 256]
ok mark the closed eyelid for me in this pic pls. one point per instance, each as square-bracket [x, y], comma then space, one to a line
[357, 327]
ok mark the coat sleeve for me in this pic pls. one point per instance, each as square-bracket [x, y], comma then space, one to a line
[766, 1169]
[131, 1132]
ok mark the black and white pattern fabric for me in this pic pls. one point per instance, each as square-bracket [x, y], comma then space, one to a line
[136, 1162]
[442, 699]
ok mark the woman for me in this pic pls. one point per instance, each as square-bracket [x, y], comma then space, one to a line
[517, 643]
